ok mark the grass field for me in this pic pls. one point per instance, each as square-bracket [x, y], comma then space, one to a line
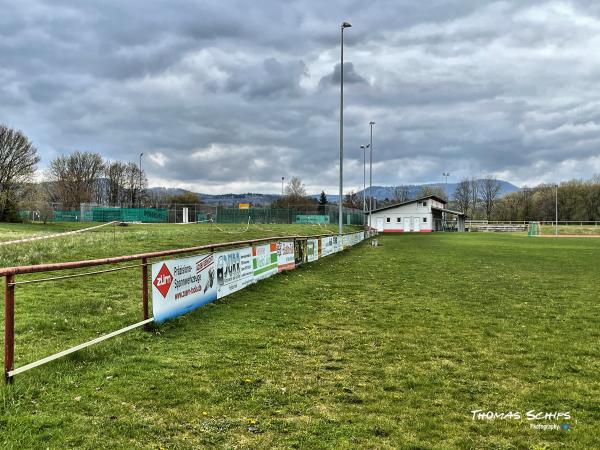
[571, 229]
[376, 347]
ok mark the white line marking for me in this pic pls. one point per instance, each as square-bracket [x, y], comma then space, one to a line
[49, 236]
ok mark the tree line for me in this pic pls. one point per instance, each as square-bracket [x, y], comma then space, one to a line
[85, 177]
[69, 180]
[481, 199]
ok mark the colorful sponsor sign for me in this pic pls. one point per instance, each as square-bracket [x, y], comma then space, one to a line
[286, 259]
[244, 206]
[234, 270]
[312, 250]
[182, 285]
[264, 260]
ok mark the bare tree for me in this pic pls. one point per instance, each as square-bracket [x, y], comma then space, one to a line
[18, 159]
[401, 194]
[295, 188]
[475, 191]
[75, 177]
[353, 200]
[35, 200]
[295, 196]
[135, 183]
[115, 178]
[490, 188]
[426, 191]
[463, 195]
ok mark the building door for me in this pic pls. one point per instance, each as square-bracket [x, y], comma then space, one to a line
[406, 224]
[416, 224]
[380, 224]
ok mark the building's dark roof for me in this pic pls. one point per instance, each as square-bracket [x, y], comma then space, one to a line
[435, 197]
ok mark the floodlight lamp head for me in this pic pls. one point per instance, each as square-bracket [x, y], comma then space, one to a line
[346, 25]
[371, 123]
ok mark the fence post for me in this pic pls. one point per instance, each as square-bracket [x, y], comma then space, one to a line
[145, 292]
[9, 327]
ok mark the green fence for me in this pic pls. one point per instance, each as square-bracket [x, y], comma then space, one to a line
[328, 215]
[286, 215]
[312, 218]
[147, 215]
[67, 215]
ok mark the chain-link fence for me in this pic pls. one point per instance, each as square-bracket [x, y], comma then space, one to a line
[178, 213]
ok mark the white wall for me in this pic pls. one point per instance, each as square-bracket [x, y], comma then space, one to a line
[397, 220]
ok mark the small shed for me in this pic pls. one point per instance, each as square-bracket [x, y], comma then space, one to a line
[422, 215]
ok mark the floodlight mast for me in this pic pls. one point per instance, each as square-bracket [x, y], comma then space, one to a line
[556, 210]
[364, 192]
[140, 192]
[371, 175]
[341, 192]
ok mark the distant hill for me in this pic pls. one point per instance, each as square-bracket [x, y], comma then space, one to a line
[379, 192]
[383, 192]
[387, 192]
[221, 199]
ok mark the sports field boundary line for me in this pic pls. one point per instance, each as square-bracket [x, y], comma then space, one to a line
[568, 235]
[51, 236]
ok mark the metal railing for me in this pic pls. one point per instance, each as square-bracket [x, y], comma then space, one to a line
[142, 259]
[526, 222]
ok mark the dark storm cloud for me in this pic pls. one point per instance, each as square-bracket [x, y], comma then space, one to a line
[350, 76]
[226, 96]
[269, 78]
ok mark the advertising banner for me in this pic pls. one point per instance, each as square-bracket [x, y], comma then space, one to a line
[264, 261]
[300, 251]
[285, 256]
[346, 240]
[312, 250]
[182, 285]
[326, 246]
[234, 270]
[337, 243]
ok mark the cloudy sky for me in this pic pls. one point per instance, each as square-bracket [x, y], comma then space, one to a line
[229, 96]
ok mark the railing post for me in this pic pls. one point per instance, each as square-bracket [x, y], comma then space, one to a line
[145, 292]
[9, 327]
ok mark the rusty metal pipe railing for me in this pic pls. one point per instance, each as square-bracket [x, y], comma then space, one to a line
[118, 259]
[9, 327]
[9, 273]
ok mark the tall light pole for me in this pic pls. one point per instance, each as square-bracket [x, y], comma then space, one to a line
[446, 174]
[371, 174]
[282, 178]
[365, 147]
[556, 209]
[340, 202]
[140, 192]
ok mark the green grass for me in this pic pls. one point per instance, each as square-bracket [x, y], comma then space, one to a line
[14, 231]
[571, 229]
[376, 347]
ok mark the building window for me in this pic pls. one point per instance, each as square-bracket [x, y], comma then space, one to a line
[424, 219]
[398, 219]
[388, 220]
[424, 203]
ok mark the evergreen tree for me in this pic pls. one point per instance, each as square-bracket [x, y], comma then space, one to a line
[323, 199]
